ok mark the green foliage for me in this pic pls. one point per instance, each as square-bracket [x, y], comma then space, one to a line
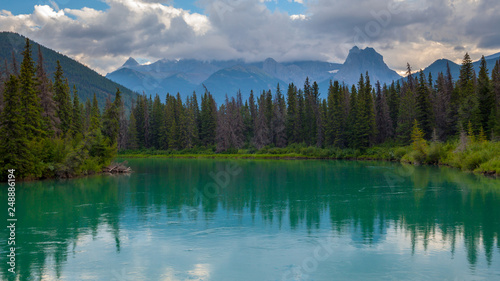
[30, 149]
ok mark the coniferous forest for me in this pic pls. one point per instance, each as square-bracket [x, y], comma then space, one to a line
[419, 120]
[47, 132]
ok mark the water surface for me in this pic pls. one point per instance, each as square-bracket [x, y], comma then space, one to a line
[202, 219]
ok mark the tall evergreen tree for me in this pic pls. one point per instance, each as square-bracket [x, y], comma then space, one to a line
[76, 118]
[336, 120]
[279, 119]
[95, 115]
[132, 141]
[407, 115]
[383, 118]
[262, 134]
[31, 107]
[425, 115]
[62, 99]
[494, 120]
[208, 119]
[292, 121]
[50, 121]
[485, 95]
[15, 152]
[468, 110]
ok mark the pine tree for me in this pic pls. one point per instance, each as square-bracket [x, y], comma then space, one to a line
[50, 121]
[132, 141]
[279, 118]
[208, 119]
[494, 119]
[393, 103]
[468, 110]
[31, 107]
[336, 121]
[110, 119]
[353, 135]
[157, 122]
[417, 137]
[365, 125]
[14, 145]
[261, 138]
[292, 115]
[424, 107]
[383, 118]
[443, 102]
[95, 115]
[76, 118]
[407, 115]
[485, 95]
[62, 99]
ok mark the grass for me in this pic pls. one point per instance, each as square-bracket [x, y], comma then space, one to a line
[477, 157]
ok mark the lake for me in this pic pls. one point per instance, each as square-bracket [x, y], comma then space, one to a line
[205, 219]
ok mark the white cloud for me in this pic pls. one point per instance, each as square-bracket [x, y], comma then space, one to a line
[418, 31]
[298, 17]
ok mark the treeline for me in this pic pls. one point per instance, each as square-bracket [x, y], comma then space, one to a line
[44, 132]
[349, 117]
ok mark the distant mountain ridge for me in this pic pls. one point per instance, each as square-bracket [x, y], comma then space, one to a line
[86, 80]
[227, 77]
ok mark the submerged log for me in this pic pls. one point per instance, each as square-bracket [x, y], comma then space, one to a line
[118, 168]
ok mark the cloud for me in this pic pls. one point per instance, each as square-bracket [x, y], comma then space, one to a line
[415, 31]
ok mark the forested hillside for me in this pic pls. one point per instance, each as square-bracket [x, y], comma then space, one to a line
[45, 131]
[87, 81]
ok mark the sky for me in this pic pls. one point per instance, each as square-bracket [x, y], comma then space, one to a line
[103, 34]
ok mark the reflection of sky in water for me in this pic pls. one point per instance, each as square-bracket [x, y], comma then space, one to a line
[239, 247]
[148, 227]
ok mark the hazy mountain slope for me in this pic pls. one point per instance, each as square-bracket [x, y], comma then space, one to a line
[87, 81]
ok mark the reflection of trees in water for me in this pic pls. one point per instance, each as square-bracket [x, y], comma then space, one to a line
[296, 194]
[57, 216]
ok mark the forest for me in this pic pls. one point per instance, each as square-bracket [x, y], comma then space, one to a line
[44, 132]
[47, 133]
[417, 120]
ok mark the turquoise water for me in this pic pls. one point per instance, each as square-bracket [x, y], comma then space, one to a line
[193, 219]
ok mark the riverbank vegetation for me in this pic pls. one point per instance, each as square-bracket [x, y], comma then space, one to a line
[44, 133]
[415, 120]
[419, 120]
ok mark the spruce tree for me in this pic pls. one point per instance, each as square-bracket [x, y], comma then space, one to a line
[50, 121]
[14, 144]
[31, 107]
[494, 119]
[76, 118]
[407, 115]
[208, 118]
[485, 95]
[424, 107]
[95, 115]
[132, 142]
[279, 119]
[292, 114]
[383, 119]
[62, 99]
[468, 109]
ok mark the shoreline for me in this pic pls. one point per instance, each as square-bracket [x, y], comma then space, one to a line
[490, 174]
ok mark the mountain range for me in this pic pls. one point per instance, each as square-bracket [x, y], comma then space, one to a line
[223, 78]
[86, 80]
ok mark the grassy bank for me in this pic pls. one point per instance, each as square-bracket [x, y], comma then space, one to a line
[480, 157]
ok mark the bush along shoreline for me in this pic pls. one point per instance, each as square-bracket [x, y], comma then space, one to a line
[470, 153]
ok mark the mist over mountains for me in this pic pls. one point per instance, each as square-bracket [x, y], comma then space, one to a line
[228, 77]
[223, 78]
